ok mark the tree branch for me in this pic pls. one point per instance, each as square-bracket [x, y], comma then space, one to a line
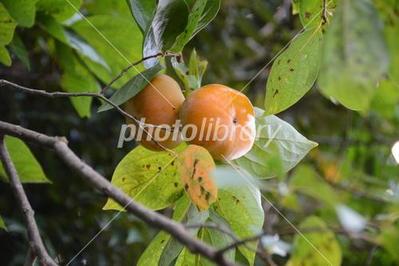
[59, 145]
[35, 241]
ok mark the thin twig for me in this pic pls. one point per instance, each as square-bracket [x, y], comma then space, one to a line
[125, 70]
[35, 241]
[261, 252]
[59, 94]
[99, 182]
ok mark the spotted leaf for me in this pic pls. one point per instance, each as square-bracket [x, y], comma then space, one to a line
[195, 165]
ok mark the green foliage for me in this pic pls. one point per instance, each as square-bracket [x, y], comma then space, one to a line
[23, 11]
[389, 238]
[294, 72]
[142, 12]
[118, 43]
[354, 55]
[2, 224]
[306, 181]
[311, 11]
[7, 27]
[176, 22]
[351, 49]
[169, 21]
[386, 99]
[194, 17]
[5, 56]
[277, 149]
[76, 78]
[240, 206]
[391, 31]
[149, 177]
[174, 247]
[29, 170]
[316, 247]
[132, 87]
[191, 75]
[155, 249]
[19, 49]
[59, 9]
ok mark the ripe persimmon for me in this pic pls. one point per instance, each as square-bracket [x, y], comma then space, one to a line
[220, 119]
[158, 103]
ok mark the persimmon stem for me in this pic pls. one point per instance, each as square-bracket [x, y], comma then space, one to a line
[125, 70]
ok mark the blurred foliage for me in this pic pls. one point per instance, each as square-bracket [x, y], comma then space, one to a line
[53, 48]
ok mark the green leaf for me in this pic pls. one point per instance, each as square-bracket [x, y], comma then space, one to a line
[170, 20]
[214, 238]
[149, 177]
[211, 9]
[193, 19]
[186, 258]
[190, 75]
[2, 224]
[310, 11]
[119, 45]
[29, 170]
[153, 252]
[7, 26]
[391, 36]
[354, 55]
[76, 78]
[132, 87]
[174, 247]
[218, 239]
[55, 29]
[294, 72]
[19, 49]
[295, 6]
[142, 12]
[305, 180]
[5, 56]
[61, 10]
[115, 8]
[23, 11]
[389, 239]
[386, 99]
[319, 248]
[240, 206]
[278, 147]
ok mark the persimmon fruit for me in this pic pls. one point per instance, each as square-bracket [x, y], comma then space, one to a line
[216, 111]
[159, 103]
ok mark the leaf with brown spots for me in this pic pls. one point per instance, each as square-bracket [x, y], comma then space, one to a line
[148, 177]
[195, 165]
[294, 72]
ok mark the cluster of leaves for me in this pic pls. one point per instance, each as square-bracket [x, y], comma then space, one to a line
[349, 56]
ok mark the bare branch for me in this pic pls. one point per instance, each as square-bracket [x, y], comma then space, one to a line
[152, 218]
[35, 241]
